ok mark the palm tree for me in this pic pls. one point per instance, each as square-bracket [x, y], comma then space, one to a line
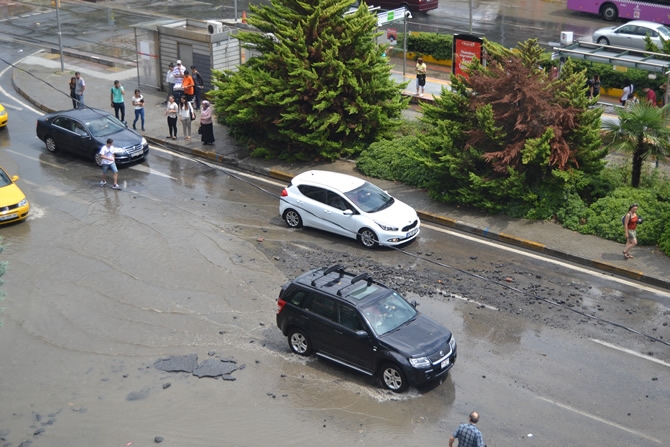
[643, 130]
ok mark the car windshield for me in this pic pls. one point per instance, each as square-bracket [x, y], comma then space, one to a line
[389, 313]
[103, 126]
[370, 198]
[4, 179]
[664, 31]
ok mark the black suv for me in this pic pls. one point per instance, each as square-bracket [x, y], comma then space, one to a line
[362, 324]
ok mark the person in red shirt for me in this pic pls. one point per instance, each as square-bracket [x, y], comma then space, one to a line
[651, 96]
[631, 219]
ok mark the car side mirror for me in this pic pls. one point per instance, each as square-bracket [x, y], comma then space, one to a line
[347, 212]
[414, 304]
[362, 334]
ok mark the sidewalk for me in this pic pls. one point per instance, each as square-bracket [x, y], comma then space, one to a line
[38, 76]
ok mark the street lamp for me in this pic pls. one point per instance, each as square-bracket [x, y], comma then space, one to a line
[60, 44]
[408, 15]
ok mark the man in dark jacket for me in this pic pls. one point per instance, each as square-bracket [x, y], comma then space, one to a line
[199, 85]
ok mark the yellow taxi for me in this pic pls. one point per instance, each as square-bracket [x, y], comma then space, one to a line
[14, 206]
[3, 117]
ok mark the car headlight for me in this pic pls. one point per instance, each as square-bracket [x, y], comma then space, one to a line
[452, 343]
[3, 112]
[144, 141]
[421, 362]
[386, 227]
[23, 202]
[119, 150]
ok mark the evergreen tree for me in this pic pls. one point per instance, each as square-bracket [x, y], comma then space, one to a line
[320, 88]
[509, 138]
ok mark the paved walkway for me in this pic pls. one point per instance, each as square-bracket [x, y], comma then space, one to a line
[39, 79]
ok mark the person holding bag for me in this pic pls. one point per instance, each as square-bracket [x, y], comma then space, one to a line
[171, 111]
[206, 127]
[186, 116]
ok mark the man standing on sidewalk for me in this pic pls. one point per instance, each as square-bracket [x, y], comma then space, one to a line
[118, 102]
[199, 85]
[79, 90]
[169, 80]
[468, 435]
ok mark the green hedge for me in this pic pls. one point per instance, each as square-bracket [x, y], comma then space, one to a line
[431, 44]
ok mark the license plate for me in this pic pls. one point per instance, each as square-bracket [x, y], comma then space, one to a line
[444, 364]
[9, 216]
[411, 233]
[136, 154]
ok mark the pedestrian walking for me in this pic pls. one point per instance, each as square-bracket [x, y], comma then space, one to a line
[171, 111]
[650, 96]
[596, 85]
[169, 80]
[630, 222]
[138, 105]
[79, 90]
[186, 116]
[206, 127]
[199, 85]
[188, 85]
[116, 94]
[420, 75]
[468, 435]
[73, 88]
[627, 92]
[108, 162]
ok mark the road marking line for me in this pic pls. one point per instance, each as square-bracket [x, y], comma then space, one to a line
[36, 159]
[549, 260]
[631, 352]
[4, 92]
[599, 419]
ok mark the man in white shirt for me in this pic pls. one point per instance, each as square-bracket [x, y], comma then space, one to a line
[108, 162]
[169, 80]
[178, 73]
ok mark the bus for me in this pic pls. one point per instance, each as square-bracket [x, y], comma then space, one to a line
[653, 11]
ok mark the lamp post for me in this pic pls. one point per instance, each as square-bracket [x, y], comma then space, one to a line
[60, 44]
[406, 15]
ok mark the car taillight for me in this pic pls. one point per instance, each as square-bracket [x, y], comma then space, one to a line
[280, 305]
[284, 192]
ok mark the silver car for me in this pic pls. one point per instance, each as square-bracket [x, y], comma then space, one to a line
[632, 34]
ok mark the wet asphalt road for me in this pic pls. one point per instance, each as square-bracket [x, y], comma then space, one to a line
[188, 259]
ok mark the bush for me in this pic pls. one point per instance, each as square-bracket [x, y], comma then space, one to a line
[436, 45]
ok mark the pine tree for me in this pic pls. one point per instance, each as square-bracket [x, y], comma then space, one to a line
[321, 87]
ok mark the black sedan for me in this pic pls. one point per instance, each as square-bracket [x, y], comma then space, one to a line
[84, 131]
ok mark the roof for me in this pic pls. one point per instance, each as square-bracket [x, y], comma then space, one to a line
[335, 180]
[81, 114]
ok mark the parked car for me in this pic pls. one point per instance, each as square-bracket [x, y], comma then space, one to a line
[360, 323]
[4, 117]
[84, 131]
[632, 34]
[349, 206]
[412, 5]
[14, 206]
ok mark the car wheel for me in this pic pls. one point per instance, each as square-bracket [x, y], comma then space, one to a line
[292, 218]
[610, 12]
[603, 41]
[368, 238]
[98, 159]
[299, 342]
[50, 143]
[393, 378]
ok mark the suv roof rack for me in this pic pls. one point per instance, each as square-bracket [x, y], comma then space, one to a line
[362, 277]
[333, 268]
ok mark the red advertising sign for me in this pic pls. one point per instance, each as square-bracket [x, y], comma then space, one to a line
[465, 48]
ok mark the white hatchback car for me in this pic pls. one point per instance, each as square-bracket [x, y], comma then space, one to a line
[632, 34]
[349, 206]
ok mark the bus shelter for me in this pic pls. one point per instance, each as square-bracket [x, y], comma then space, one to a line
[619, 56]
